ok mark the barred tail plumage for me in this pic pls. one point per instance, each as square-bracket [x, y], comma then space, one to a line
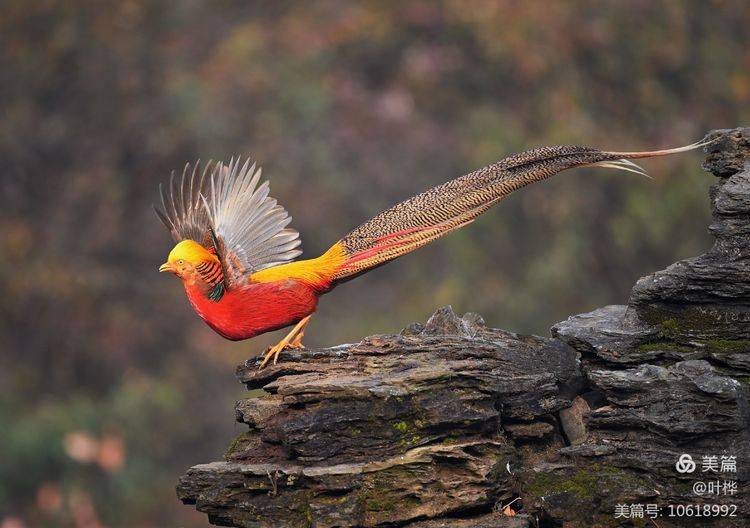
[456, 203]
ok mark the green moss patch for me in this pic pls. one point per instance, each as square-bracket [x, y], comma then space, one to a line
[582, 483]
[237, 444]
[727, 346]
[672, 325]
[657, 346]
[401, 427]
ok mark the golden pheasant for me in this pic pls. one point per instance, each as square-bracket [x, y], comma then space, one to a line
[235, 254]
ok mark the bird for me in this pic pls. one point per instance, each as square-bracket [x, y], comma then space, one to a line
[236, 254]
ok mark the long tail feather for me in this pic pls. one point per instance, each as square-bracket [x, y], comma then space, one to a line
[623, 165]
[666, 152]
[456, 203]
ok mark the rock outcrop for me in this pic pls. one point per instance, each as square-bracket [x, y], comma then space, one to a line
[454, 424]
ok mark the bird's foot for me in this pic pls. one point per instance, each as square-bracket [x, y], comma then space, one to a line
[292, 340]
[273, 353]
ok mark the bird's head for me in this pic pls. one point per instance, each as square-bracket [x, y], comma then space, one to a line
[191, 261]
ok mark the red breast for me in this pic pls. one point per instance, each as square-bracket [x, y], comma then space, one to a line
[254, 309]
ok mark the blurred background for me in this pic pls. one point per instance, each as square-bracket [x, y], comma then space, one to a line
[111, 387]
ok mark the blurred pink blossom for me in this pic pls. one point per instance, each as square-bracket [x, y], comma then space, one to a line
[81, 447]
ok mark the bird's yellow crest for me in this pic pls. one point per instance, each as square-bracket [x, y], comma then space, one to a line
[192, 252]
[189, 255]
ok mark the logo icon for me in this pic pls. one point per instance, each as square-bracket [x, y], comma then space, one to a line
[685, 464]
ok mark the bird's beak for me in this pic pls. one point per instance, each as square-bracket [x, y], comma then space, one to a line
[166, 267]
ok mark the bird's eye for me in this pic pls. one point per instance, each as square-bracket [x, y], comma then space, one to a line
[180, 262]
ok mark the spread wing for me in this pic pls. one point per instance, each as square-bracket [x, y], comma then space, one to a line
[227, 208]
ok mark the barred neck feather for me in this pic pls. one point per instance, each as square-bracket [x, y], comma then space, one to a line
[211, 273]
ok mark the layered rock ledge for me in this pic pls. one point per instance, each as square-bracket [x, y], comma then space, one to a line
[454, 424]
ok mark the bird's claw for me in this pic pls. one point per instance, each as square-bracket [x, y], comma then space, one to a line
[272, 353]
[292, 340]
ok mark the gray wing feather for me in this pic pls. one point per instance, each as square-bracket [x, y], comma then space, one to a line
[251, 223]
[182, 211]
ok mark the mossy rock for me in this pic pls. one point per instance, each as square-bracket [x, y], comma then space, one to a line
[676, 324]
[239, 443]
[728, 346]
[581, 494]
[582, 483]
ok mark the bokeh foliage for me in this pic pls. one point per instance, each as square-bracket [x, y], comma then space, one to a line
[111, 386]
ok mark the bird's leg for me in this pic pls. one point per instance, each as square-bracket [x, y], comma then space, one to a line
[297, 341]
[292, 339]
